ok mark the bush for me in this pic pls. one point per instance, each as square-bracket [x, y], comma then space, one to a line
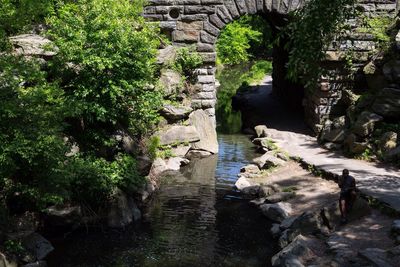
[187, 61]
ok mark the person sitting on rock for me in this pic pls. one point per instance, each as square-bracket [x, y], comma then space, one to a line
[348, 195]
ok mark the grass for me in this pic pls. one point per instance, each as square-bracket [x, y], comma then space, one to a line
[257, 72]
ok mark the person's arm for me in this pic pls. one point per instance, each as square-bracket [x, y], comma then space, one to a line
[340, 181]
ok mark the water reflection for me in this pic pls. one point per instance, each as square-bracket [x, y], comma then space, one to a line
[192, 221]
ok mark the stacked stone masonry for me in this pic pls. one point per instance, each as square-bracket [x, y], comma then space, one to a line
[199, 22]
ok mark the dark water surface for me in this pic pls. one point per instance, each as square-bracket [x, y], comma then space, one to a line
[196, 219]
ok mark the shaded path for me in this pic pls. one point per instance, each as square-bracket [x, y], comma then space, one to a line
[377, 180]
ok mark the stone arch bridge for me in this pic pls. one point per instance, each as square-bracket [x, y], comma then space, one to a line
[199, 22]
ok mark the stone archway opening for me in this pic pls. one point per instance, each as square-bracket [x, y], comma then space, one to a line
[199, 24]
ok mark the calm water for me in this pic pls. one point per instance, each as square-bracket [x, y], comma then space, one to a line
[196, 219]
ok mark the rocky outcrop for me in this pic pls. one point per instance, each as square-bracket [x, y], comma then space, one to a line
[178, 135]
[33, 45]
[365, 123]
[37, 245]
[268, 160]
[122, 211]
[171, 82]
[295, 254]
[276, 212]
[175, 113]
[206, 129]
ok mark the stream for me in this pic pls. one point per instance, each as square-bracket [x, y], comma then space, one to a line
[195, 219]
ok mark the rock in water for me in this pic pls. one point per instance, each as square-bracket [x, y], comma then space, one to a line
[205, 127]
[123, 211]
[268, 160]
[38, 245]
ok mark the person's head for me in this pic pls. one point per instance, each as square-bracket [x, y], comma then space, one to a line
[345, 172]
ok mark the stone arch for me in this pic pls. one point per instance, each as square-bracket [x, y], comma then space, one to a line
[199, 22]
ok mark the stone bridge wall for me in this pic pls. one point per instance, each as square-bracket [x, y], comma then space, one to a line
[199, 22]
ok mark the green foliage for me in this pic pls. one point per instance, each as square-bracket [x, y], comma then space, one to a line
[236, 39]
[22, 15]
[152, 147]
[257, 72]
[31, 144]
[106, 59]
[187, 61]
[93, 179]
[98, 83]
[14, 247]
[309, 33]
[379, 27]
[290, 189]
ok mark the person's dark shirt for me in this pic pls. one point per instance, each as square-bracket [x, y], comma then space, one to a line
[347, 183]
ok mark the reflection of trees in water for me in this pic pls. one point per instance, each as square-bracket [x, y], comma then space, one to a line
[230, 78]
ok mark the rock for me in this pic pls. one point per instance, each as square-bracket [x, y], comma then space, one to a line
[334, 131]
[23, 225]
[287, 223]
[267, 190]
[388, 141]
[37, 245]
[171, 82]
[261, 131]
[281, 196]
[391, 70]
[159, 166]
[175, 163]
[178, 135]
[286, 237]
[268, 160]
[251, 168]
[266, 143]
[307, 223]
[282, 156]
[276, 212]
[258, 201]
[123, 210]
[387, 103]
[125, 141]
[32, 45]
[375, 256]
[242, 183]
[398, 40]
[5, 262]
[353, 146]
[166, 55]
[395, 251]
[36, 264]
[292, 262]
[144, 164]
[275, 230]
[393, 154]
[194, 153]
[205, 127]
[365, 123]
[298, 250]
[332, 146]
[180, 151]
[173, 114]
[63, 216]
[396, 227]
[148, 188]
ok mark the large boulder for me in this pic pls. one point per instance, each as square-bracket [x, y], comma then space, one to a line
[281, 196]
[391, 70]
[261, 131]
[387, 103]
[123, 211]
[388, 141]
[6, 262]
[268, 160]
[173, 113]
[166, 55]
[63, 216]
[375, 256]
[353, 146]
[179, 134]
[37, 245]
[297, 251]
[393, 154]
[334, 131]
[365, 123]
[207, 133]
[276, 212]
[171, 82]
[197, 154]
[32, 45]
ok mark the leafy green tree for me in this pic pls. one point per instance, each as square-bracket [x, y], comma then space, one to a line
[106, 61]
[235, 41]
[31, 141]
